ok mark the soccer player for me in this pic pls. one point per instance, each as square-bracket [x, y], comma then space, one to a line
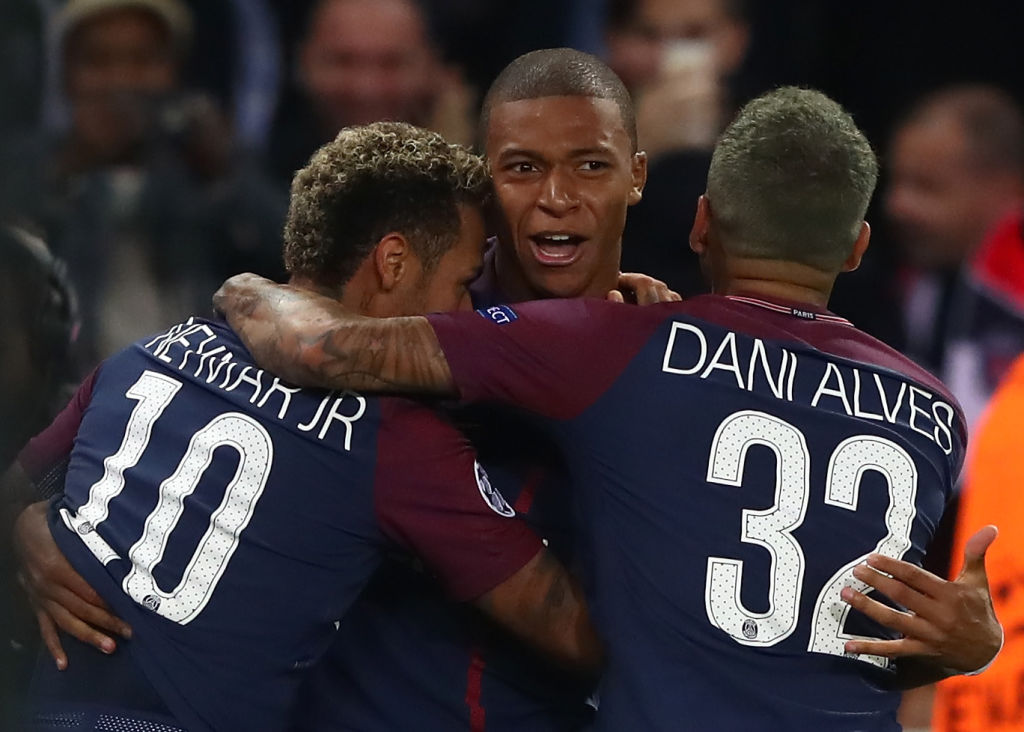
[562, 125]
[232, 519]
[558, 130]
[742, 459]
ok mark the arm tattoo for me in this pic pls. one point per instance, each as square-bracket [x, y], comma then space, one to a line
[311, 340]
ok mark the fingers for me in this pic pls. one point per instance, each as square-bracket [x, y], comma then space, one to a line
[615, 296]
[896, 590]
[648, 290]
[888, 648]
[978, 544]
[77, 629]
[51, 639]
[79, 587]
[98, 617]
[974, 552]
[907, 624]
[909, 574]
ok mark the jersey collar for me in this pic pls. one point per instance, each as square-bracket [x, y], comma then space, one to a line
[803, 311]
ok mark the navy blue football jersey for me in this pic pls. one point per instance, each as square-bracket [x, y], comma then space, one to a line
[735, 459]
[232, 519]
[453, 669]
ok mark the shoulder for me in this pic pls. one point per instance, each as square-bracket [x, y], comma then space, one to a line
[411, 428]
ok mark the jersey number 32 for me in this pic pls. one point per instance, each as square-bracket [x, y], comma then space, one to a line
[772, 528]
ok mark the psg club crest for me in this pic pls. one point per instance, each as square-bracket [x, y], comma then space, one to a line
[492, 497]
[749, 629]
[151, 602]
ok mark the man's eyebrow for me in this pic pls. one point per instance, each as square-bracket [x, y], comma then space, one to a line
[592, 150]
[518, 151]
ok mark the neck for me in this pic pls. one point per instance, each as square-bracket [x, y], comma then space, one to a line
[775, 279]
[510, 278]
[350, 295]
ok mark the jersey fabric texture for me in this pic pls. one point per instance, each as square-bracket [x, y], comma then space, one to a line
[232, 519]
[735, 458]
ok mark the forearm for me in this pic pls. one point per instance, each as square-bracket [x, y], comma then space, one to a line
[311, 340]
[543, 605]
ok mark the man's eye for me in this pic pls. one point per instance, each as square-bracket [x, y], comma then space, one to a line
[522, 167]
[593, 165]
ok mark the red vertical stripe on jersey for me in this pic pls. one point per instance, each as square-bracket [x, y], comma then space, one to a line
[525, 500]
[474, 686]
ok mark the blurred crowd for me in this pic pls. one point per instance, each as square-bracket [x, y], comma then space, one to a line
[151, 143]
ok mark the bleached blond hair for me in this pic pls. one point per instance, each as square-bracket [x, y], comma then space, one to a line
[373, 180]
[791, 179]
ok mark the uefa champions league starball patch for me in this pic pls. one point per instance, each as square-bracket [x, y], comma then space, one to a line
[500, 314]
[490, 494]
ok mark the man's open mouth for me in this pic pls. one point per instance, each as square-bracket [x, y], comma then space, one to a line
[556, 248]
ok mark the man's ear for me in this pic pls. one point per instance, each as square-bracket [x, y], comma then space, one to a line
[639, 172]
[859, 247]
[391, 259]
[701, 222]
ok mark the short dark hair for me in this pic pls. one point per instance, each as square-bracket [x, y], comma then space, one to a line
[992, 122]
[558, 72]
[372, 180]
[791, 178]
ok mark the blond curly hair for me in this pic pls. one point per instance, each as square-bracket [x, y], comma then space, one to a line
[370, 181]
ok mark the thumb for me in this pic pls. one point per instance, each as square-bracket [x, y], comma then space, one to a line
[974, 551]
[615, 296]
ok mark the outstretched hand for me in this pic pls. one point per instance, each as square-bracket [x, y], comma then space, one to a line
[951, 623]
[59, 596]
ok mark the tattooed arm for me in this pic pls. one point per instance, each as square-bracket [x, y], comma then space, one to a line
[542, 605]
[311, 340]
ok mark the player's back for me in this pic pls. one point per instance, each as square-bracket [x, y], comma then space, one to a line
[735, 459]
[741, 465]
[233, 517]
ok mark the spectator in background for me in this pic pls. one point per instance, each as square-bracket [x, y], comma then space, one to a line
[142, 196]
[994, 474]
[956, 171]
[362, 61]
[677, 58]
[21, 63]
[37, 325]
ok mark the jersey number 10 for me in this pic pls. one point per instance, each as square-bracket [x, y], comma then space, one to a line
[772, 528]
[234, 430]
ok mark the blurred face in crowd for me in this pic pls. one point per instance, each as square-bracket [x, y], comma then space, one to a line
[637, 50]
[940, 201]
[564, 172]
[114, 64]
[369, 60]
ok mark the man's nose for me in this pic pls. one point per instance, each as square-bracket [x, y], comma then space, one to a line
[559, 194]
